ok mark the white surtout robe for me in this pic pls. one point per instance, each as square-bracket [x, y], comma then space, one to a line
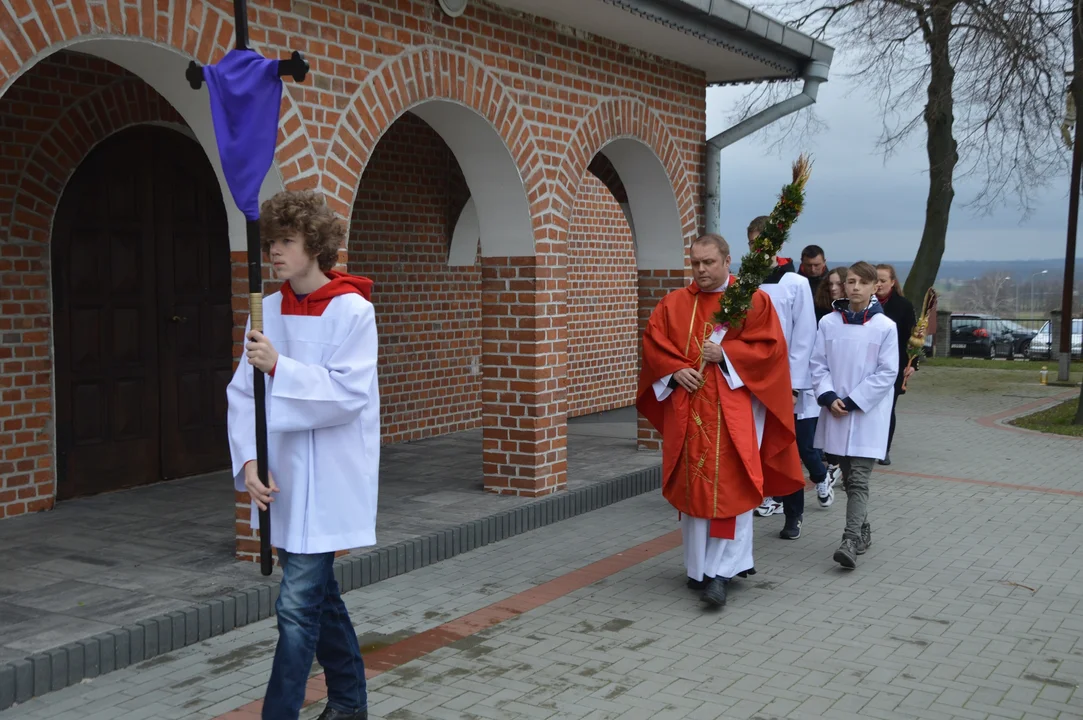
[792, 300]
[703, 554]
[323, 423]
[859, 362]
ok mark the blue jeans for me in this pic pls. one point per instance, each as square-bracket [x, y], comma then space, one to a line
[313, 622]
[794, 505]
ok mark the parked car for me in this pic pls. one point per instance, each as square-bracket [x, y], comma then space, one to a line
[1022, 334]
[1039, 347]
[977, 335]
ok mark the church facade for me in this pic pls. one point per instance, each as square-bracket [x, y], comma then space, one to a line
[521, 178]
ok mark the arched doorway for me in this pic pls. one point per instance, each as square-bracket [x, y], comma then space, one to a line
[142, 315]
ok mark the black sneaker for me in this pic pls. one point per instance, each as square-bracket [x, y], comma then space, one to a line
[846, 555]
[715, 593]
[792, 529]
[866, 539]
[886, 460]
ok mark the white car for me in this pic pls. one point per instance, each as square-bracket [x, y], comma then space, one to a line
[1039, 346]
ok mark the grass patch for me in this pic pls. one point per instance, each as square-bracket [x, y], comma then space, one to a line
[1028, 365]
[1057, 419]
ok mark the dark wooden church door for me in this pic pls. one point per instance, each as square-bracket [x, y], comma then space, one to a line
[142, 315]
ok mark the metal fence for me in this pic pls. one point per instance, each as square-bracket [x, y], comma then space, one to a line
[984, 336]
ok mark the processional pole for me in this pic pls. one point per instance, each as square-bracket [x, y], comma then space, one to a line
[246, 95]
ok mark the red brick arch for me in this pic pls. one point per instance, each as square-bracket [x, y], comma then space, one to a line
[612, 120]
[412, 79]
[74, 134]
[200, 29]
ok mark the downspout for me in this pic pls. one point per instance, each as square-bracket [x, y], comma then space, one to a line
[815, 73]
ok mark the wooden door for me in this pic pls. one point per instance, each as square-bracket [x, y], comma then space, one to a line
[137, 242]
[195, 300]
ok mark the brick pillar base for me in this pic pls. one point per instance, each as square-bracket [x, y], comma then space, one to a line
[653, 286]
[524, 360]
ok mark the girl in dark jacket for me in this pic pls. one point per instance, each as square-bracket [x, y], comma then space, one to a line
[898, 308]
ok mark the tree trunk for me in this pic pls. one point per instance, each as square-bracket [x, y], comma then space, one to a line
[1077, 93]
[942, 150]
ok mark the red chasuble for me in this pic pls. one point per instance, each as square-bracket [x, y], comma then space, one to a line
[711, 466]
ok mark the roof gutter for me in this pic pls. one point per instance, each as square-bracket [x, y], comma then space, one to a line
[815, 73]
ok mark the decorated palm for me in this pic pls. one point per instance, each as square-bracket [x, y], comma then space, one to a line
[759, 262]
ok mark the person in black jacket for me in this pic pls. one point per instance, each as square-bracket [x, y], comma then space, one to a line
[813, 267]
[898, 308]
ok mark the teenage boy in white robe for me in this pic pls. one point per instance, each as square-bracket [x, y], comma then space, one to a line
[792, 299]
[318, 348]
[854, 364]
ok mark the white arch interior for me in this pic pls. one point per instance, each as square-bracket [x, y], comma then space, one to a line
[652, 204]
[500, 214]
[163, 68]
[465, 237]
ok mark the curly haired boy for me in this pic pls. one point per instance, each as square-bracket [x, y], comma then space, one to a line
[318, 349]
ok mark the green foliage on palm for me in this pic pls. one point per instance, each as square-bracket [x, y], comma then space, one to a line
[758, 263]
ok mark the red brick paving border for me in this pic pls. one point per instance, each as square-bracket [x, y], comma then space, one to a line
[412, 648]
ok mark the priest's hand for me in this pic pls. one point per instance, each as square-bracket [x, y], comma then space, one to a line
[838, 409]
[261, 353]
[711, 352]
[689, 379]
[261, 495]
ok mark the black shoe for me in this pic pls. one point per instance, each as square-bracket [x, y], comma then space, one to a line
[747, 573]
[329, 713]
[866, 539]
[792, 529]
[846, 555]
[886, 460]
[699, 585]
[715, 593]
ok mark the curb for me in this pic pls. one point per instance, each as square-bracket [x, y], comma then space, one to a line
[107, 652]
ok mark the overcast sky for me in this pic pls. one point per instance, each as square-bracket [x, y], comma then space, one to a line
[856, 199]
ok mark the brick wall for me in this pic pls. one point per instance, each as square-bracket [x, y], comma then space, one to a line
[49, 119]
[602, 304]
[428, 314]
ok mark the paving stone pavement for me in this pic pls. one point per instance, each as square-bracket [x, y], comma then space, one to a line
[967, 606]
[99, 563]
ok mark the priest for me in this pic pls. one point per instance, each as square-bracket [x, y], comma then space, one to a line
[722, 400]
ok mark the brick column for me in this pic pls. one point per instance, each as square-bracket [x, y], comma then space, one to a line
[942, 340]
[524, 359]
[653, 286]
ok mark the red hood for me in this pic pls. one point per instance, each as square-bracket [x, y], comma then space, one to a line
[316, 302]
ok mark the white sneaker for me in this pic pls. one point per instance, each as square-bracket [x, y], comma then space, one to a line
[769, 506]
[834, 474]
[825, 493]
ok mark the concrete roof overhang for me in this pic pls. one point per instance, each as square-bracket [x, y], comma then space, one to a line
[729, 42]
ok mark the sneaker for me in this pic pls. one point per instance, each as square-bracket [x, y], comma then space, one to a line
[846, 555]
[769, 506]
[866, 539]
[825, 493]
[834, 474]
[886, 460]
[792, 529]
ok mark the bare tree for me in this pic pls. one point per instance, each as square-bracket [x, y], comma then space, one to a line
[984, 78]
[993, 293]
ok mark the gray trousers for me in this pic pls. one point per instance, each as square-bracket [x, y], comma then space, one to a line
[856, 472]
